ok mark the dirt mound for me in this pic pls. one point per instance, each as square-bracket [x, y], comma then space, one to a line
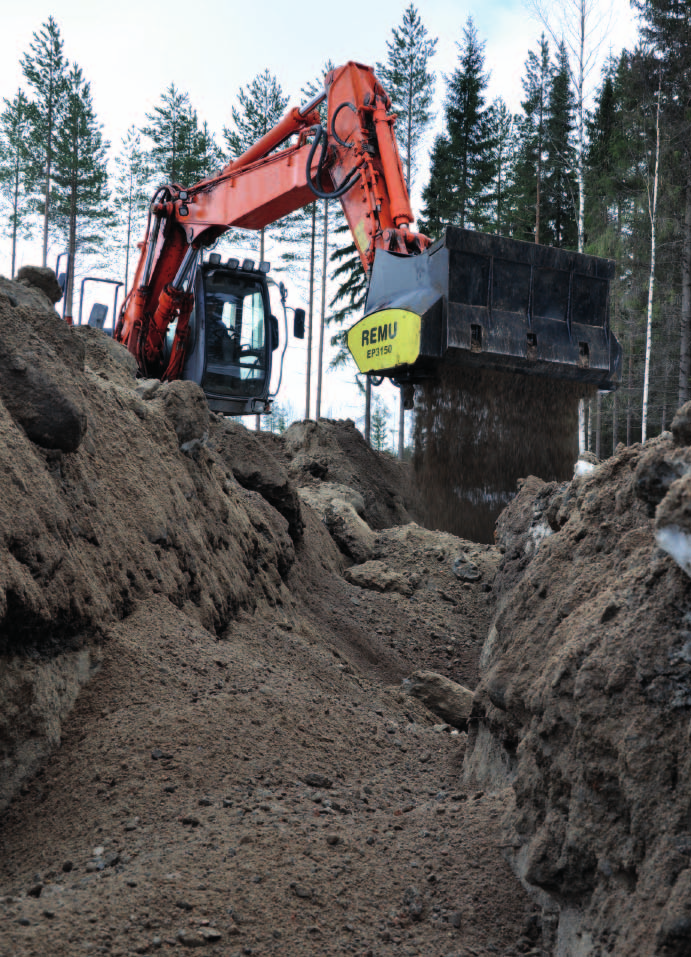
[336, 452]
[203, 736]
[478, 431]
[584, 702]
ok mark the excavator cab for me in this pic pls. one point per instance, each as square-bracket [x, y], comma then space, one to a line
[232, 336]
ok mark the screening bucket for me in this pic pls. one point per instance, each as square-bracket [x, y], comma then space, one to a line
[485, 301]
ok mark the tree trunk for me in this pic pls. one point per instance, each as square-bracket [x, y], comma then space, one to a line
[685, 331]
[598, 424]
[663, 416]
[538, 184]
[629, 396]
[310, 314]
[129, 234]
[580, 159]
[14, 218]
[322, 321]
[401, 425]
[590, 425]
[409, 131]
[49, 169]
[72, 234]
[368, 409]
[615, 421]
[258, 418]
[652, 209]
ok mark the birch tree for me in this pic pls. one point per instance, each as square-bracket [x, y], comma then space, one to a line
[666, 28]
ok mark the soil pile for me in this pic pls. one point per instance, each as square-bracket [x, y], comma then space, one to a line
[585, 696]
[477, 432]
[204, 738]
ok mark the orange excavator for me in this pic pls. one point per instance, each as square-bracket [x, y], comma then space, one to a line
[469, 298]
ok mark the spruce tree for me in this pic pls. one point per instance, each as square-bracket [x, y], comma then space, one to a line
[459, 191]
[504, 147]
[561, 188]
[527, 199]
[15, 169]
[601, 176]
[407, 79]
[80, 176]
[45, 70]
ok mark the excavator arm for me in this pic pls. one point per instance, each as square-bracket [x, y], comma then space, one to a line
[354, 158]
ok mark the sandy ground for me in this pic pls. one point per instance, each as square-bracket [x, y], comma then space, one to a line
[270, 791]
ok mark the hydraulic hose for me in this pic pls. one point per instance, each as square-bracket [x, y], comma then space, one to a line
[316, 187]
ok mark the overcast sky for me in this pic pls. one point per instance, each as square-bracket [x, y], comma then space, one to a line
[131, 50]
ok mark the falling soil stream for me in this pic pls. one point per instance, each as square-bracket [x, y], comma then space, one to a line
[477, 432]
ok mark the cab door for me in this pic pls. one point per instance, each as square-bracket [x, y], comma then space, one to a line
[230, 339]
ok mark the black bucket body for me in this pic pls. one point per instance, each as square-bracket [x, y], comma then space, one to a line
[489, 302]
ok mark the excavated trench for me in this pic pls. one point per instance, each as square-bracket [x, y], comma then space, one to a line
[221, 748]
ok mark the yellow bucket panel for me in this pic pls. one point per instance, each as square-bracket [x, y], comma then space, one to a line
[385, 340]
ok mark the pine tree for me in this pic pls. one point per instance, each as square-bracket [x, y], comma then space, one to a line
[15, 168]
[504, 146]
[560, 183]
[407, 79]
[131, 192]
[437, 196]
[80, 176]
[459, 191]
[169, 128]
[45, 70]
[200, 155]
[261, 104]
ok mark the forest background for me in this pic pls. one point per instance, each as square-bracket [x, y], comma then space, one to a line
[563, 125]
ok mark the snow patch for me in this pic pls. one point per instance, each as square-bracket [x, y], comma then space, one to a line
[583, 468]
[536, 536]
[677, 543]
